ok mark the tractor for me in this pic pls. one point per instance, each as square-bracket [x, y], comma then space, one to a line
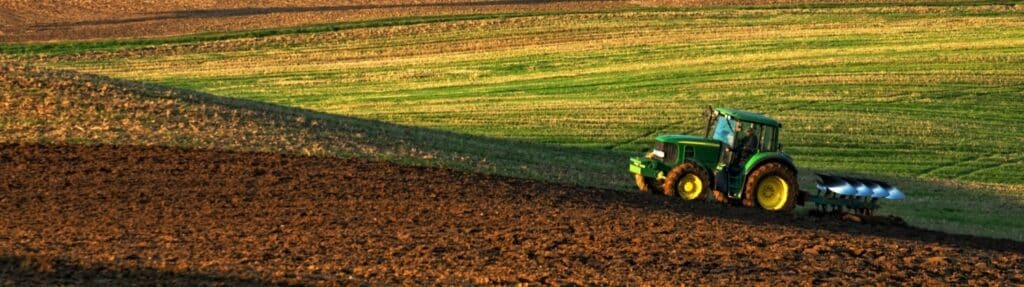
[739, 160]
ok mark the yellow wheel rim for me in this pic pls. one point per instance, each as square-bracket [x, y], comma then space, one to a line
[690, 187]
[772, 193]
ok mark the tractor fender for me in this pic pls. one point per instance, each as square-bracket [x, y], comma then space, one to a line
[709, 170]
[763, 158]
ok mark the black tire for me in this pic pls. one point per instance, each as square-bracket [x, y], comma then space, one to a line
[767, 171]
[677, 176]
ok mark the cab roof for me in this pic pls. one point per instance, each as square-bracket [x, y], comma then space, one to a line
[749, 117]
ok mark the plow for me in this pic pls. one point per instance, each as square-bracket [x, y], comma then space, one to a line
[838, 194]
[739, 160]
[852, 198]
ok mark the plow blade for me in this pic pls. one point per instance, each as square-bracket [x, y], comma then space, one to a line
[839, 194]
[858, 187]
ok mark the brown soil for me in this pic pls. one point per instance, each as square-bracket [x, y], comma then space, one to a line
[106, 215]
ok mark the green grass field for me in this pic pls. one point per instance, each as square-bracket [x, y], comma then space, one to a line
[927, 95]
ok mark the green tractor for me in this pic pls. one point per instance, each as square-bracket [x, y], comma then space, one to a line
[739, 160]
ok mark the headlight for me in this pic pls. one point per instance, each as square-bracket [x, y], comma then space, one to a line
[658, 153]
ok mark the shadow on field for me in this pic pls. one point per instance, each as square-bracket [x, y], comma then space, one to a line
[31, 271]
[240, 12]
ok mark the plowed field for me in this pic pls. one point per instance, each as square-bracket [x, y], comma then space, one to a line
[143, 215]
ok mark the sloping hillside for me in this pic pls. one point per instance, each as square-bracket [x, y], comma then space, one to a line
[41, 106]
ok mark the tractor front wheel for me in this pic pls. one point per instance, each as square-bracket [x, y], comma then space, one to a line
[772, 187]
[688, 181]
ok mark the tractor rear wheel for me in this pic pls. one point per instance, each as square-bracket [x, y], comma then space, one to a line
[688, 181]
[772, 187]
[647, 184]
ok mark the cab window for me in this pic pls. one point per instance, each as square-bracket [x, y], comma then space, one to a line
[768, 141]
[724, 130]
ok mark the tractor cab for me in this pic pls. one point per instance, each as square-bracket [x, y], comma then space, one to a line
[728, 126]
[733, 128]
[743, 135]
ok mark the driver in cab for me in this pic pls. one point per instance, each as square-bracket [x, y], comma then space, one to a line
[738, 153]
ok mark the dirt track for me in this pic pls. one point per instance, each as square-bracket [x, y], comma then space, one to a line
[132, 215]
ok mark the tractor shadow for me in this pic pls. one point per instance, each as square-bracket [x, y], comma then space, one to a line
[196, 14]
